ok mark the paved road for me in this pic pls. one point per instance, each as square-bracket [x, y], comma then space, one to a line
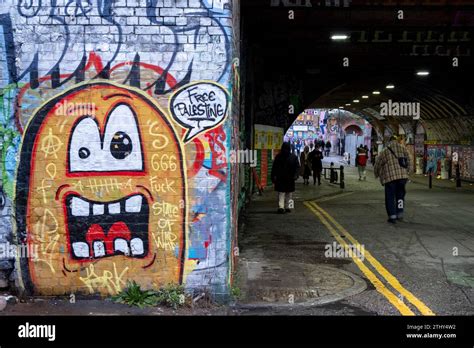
[423, 266]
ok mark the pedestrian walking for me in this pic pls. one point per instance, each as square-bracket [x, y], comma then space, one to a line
[305, 165]
[328, 148]
[284, 173]
[298, 148]
[316, 157]
[361, 162]
[391, 166]
[374, 155]
[321, 144]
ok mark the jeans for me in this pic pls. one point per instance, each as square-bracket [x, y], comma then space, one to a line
[395, 198]
[284, 199]
[362, 174]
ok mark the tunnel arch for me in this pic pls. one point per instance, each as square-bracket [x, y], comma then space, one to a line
[353, 129]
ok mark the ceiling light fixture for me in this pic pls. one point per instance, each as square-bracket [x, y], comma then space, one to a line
[423, 73]
[339, 37]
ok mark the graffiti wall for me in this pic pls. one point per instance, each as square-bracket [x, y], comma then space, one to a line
[115, 129]
[465, 159]
[436, 155]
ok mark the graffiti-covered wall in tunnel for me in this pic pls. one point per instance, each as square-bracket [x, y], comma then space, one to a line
[115, 134]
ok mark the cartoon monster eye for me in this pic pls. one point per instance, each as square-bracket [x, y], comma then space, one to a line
[121, 145]
[119, 149]
[84, 152]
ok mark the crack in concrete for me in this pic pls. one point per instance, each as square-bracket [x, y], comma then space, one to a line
[454, 284]
[423, 245]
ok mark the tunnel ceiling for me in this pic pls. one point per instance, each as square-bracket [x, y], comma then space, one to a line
[285, 57]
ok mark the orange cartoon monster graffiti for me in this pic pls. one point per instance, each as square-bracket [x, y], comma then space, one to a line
[100, 193]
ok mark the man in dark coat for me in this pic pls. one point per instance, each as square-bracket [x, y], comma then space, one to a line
[284, 173]
[328, 148]
[316, 157]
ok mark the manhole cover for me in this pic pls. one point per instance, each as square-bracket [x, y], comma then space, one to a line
[284, 283]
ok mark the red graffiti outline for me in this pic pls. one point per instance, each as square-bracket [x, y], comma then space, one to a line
[216, 137]
[94, 61]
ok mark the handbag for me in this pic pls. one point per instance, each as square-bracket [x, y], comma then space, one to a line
[402, 161]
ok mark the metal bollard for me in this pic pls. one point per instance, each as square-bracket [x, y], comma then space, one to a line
[331, 179]
[458, 176]
[342, 184]
[431, 180]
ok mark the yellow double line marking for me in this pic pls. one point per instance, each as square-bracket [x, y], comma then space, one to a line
[379, 285]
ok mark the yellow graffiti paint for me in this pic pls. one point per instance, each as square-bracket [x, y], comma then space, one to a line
[98, 177]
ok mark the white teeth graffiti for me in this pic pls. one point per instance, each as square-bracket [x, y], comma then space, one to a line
[114, 208]
[81, 249]
[137, 246]
[102, 229]
[133, 204]
[99, 249]
[80, 207]
[122, 246]
[98, 209]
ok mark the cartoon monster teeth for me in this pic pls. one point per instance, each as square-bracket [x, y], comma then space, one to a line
[81, 249]
[137, 246]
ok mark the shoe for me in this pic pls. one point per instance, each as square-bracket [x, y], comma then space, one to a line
[281, 211]
[392, 221]
[288, 210]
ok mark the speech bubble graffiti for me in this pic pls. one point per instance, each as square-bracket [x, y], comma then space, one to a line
[199, 106]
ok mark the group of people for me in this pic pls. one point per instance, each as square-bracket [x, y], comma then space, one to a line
[311, 164]
[297, 145]
[287, 168]
[391, 167]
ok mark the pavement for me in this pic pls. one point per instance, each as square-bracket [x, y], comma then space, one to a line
[422, 266]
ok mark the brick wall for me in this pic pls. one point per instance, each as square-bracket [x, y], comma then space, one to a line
[115, 128]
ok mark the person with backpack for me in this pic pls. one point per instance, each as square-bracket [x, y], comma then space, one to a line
[361, 162]
[284, 174]
[391, 166]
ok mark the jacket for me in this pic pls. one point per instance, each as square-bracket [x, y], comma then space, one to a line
[284, 172]
[361, 158]
[387, 167]
[316, 157]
